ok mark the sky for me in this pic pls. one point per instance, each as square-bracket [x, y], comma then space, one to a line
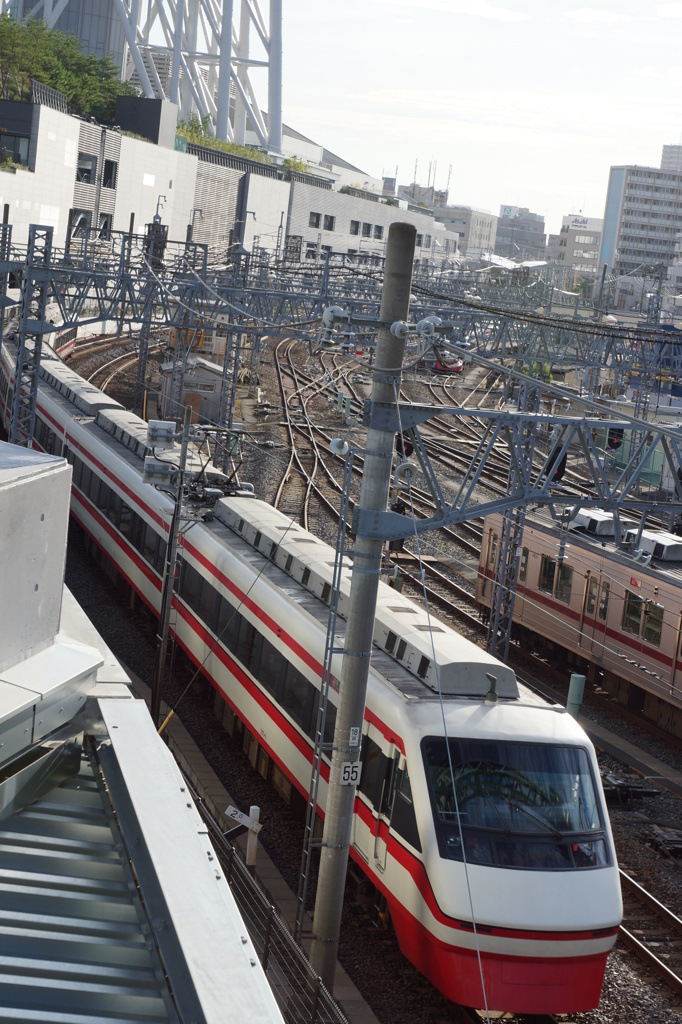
[529, 101]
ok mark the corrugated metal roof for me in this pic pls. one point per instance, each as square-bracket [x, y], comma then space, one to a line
[75, 943]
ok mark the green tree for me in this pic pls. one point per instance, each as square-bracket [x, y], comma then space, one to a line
[294, 164]
[31, 51]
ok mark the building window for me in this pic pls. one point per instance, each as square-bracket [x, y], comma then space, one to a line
[311, 251]
[632, 613]
[427, 241]
[355, 227]
[315, 220]
[86, 170]
[105, 221]
[378, 231]
[80, 223]
[109, 174]
[420, 241]
[14, 147]
[329, 222]
[366, 230]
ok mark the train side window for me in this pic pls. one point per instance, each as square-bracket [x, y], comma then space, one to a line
[247, 646]
[493, 549]
[373, 770]
[150, 545]
[564, 583]
[137, 525]
[86, 480]
[297, 697]
[632, 613]
[77, 472]
[547, 570]
[160, 561]
[604, 601]
[592, 588]
[190, 589]
[403, 818]
[207, 605]
[329, 723]
[103, 497]
[95, 485]
[653, 623]
[227, 624]
[114, 510]
[271, 669]
[523, 565]
[126, 519]
[55, 443]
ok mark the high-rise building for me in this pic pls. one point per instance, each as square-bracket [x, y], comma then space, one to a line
[94, 23]
[520, 234]
[671, 158]
[642, 217]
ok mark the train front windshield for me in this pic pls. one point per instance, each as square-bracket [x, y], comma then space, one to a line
[518, 805]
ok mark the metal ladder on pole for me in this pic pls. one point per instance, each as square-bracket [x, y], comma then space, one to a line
[309, 841]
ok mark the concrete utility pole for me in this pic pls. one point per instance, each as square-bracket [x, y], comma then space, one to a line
[376, 478]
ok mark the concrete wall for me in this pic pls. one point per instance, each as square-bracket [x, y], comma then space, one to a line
[268, 199]
[145, 173]
[218, 194]
[45, 194]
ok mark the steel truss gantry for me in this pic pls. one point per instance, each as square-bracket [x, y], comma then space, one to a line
[205, 57]
[531, 481]
[32, 327]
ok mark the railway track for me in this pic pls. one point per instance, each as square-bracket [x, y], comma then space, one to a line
[652, 932]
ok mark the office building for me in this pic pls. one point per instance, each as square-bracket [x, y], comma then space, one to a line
[520, 234]
[577, 247]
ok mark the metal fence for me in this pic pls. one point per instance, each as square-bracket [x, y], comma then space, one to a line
[300, 994]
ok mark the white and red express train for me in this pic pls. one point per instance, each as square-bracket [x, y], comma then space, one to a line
[617, 611]
[481, 822]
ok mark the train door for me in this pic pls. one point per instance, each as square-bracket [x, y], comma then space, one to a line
[594, 615]
[384, 810]
[378, 770]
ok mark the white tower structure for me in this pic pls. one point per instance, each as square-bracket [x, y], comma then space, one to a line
[196, 53]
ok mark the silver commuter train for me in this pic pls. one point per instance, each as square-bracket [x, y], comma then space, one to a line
[524, 829]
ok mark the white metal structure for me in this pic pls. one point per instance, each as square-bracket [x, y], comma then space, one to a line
[193, 52]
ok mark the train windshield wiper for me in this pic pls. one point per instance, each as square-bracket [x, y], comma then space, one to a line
[536, 817]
